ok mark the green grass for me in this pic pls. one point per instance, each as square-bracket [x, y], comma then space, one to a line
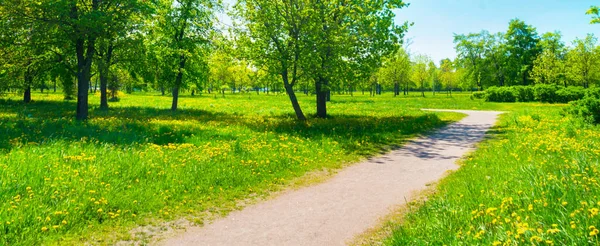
[62, 181]
[535, 182]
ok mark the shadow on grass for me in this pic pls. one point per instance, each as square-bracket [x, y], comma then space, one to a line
[45, 121]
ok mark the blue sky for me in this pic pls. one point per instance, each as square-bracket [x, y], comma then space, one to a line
[436, 21]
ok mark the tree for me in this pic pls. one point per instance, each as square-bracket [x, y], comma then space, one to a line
[594, 11]
[420, 72]
[470, 55]
[273, 39]
[76, 25]
[584, 60]
[549, 67]
[447, 74]
[522, 46]
[181, 40]
[433, 75]
[121, 35]
[330, 38]
[396, 70]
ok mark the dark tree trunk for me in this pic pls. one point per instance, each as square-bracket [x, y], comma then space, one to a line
[178, 81]
[54, 85]
[175, 97]
[27, 92]
[321, 98]
[84, 66]
[292, 95]
[162, 90]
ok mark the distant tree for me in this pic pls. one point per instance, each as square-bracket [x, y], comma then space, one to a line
[470, 56]
[447, 75]
[584, 61]
[420, 72]
[522, 46]
[396, 70]
[549, 67]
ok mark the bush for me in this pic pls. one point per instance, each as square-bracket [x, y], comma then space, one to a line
[593, 92]
[569, 94]
[545, 93]
[478, 95]
[524, 93]
[500, 94]
[587, 108]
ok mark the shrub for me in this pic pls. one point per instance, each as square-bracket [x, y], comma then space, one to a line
[524, 93]
[500, 94]
[569, 94]
[587, 108]
[593, 92]
[478, 95]
[545, 93]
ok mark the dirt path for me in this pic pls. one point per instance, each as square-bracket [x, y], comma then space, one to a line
[333, 212]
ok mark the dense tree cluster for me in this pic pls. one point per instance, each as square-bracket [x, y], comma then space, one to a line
[523, 57]
[174, 45]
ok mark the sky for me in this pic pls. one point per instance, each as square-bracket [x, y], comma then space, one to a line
[436, 21]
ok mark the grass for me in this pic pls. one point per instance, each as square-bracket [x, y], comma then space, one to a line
[536, 181]
[64, 182]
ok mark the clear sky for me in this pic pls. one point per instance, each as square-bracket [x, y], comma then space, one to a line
[436, 21]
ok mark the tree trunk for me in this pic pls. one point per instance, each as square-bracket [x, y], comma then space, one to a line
[292, 95]
[27, 92]
[321, 98]
[84, 66]
[178, 81]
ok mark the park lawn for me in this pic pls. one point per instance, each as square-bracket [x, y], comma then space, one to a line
[68, 182]
[536, 181]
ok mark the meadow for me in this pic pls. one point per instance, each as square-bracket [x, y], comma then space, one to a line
[535, 180]
[69, 182]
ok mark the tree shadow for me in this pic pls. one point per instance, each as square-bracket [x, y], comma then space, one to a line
[363, 135]
[45, 121]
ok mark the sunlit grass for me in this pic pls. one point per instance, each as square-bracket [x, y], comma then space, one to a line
[66, 180]
[536, 182]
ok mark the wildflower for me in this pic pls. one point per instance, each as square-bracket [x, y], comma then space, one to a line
[44, 228]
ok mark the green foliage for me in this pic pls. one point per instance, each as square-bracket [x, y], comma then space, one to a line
[478, 95]
[593, 92]
[545, 93]
[587, 108]
[569, 94]
[524, 93]
[500, 94]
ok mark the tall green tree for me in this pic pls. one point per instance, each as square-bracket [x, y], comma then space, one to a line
[549, 67]
[181, 40]
[420, 73]
[584, 61]
[395, 70]
[522, 46]
[470, 51]
[330, 38]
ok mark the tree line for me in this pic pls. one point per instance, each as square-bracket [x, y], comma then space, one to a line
[82, 46]
[521, 56]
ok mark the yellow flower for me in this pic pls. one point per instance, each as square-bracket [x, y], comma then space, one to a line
[44, 228]
[100, 210]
